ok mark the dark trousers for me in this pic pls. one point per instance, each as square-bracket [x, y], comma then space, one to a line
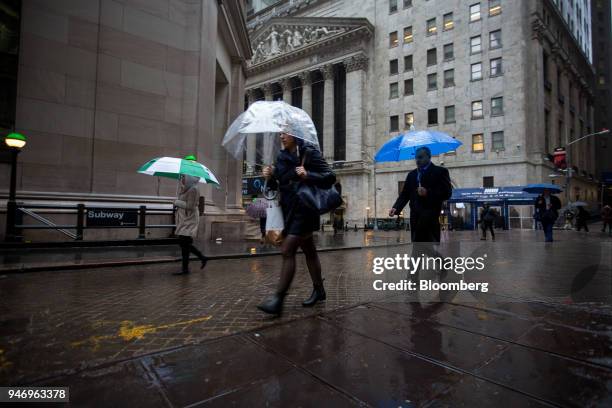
[487, 225]
[424, 228]
[262, 226]
[187, 247]
[548, 231]
[582, 224]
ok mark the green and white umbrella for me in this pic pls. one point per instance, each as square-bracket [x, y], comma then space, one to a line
[172, 167]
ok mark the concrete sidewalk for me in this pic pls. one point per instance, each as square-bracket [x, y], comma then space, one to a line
[46, 259]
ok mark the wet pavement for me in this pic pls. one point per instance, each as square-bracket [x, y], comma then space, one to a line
[136, 335]
[41, 259]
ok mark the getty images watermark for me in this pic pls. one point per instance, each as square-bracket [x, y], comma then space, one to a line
[416, 265]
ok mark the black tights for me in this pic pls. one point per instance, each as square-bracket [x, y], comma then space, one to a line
[186, 244]
[291, 243]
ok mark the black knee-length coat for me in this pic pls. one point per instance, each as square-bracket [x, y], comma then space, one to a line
[299, 220]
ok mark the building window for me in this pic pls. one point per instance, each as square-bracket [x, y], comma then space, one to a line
[431, 26]
[449, 52]
[432, 57]
[393, 67]
[393, 42]
[449, 114]
[495, 39]
[448, 22]
[476, 72]
[408, 120]
[477, 112]
[407, 3]
[394, 123]
[497, 106]
[392, 6]
[497, 141]
[449, 78]
[408, 35]
[408, 87]
[494, 7]
[432, 117]
[407, 62]
[474, 12]
[478, 143]
[432, 82]
[475, 45]
[496, 67]
[488, 182]
[393, 90]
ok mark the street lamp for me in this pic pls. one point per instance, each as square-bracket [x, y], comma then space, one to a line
[15, 143]
[569, 170]
[375, 189]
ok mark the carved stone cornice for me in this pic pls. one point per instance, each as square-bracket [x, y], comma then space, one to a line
[356, 63]
[327, 71]
[283, 40]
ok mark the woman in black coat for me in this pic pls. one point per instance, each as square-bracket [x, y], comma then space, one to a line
[297, 163]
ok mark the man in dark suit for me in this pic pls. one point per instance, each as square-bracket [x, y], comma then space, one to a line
[547, 208]
[426, 188]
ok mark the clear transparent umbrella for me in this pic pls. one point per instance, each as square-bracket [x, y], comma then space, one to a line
[264, 121]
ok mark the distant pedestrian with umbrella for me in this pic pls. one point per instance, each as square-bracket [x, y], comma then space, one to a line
[426, 187]
[582, 218]
[189, 173]
[547, 207]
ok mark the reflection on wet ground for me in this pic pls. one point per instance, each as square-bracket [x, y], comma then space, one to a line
[541, 335]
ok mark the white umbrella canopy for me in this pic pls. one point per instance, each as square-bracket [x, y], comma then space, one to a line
[265, 120]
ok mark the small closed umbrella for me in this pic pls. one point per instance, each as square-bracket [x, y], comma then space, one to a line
[257, 209]
[404, 146]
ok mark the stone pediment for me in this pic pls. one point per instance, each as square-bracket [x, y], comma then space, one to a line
[283, 39]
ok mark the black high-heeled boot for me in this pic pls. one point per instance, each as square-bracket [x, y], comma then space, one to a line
[318, 293]
[273, 305]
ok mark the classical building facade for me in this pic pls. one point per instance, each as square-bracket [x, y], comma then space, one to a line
[509, 79]
[602, 51]
[104, 86]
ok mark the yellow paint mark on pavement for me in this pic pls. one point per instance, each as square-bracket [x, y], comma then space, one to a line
[5, 365]
[129, 331]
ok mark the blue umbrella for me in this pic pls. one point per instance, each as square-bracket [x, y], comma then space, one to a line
[539, 188]
[404, 146]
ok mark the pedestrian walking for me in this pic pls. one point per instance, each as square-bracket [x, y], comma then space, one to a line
[297, 163]
[547, 211]
[606, 217]
[426, 188]
[187, 221]
[582, 218]
[569, 219]
[487, 218]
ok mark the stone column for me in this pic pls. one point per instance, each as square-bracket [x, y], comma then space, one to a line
[306, 92]
[328, 112]
[251, 142]
[286, 86]
[267, 154]
[356, 67]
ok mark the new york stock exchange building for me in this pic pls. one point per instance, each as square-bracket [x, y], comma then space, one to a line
[512, 80]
